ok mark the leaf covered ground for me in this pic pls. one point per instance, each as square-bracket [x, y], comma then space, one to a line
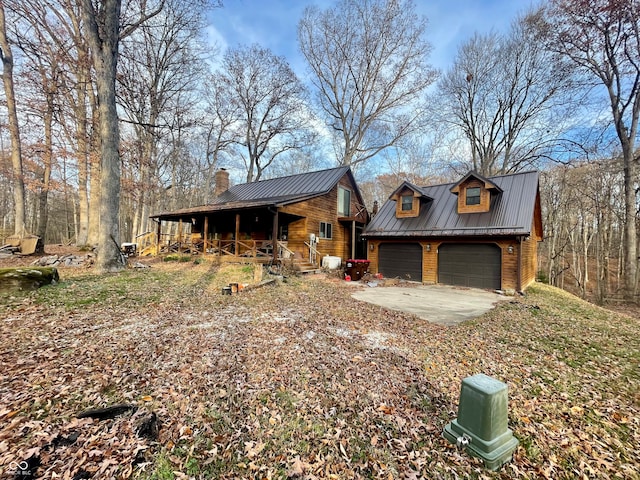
[301, 381]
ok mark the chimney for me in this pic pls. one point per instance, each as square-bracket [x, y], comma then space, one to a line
[222, 182]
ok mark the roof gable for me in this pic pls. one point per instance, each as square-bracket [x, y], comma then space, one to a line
[404, 186]
[283, 189]
[415, 197]
[488, 184]
[273, 192]
[511, 213]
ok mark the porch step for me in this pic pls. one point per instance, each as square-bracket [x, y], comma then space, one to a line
[147, 251]
[306, 267]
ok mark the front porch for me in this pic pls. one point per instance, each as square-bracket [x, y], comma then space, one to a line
[269, 231]
[235, 237]
[249, 251]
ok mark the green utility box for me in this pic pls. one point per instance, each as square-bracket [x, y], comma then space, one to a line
[481, 427]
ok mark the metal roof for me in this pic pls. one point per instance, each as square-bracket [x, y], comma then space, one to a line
[273, 192]
[511, 212]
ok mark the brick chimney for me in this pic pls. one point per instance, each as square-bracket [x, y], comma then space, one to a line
[222, 182]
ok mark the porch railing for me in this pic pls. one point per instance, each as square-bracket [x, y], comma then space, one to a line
[250, 249]
[314, 253]
[146, 243]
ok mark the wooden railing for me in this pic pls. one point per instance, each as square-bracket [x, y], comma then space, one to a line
[254, 249]
[245, 248]
[146, 243]
[284, 252]
[314, 253]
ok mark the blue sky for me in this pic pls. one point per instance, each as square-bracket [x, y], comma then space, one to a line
[273, 24]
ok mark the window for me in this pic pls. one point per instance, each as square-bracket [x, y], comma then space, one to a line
[344, 202]
[473, 196]
[407, 203]
[283, 232]
[325, 230]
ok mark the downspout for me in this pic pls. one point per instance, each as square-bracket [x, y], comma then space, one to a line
[519, 286]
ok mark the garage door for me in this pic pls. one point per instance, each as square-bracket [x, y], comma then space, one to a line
[473, 265]
[403, 260]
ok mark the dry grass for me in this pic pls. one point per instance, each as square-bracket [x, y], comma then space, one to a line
[301, 381]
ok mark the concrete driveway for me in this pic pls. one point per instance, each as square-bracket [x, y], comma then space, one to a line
[436, 303]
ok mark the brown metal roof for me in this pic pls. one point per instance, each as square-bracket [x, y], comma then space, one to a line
[274, 192]
[511, 212]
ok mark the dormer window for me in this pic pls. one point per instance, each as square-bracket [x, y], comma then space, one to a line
[473, 196]
[407, 203]
[474, 193]
[408, 199]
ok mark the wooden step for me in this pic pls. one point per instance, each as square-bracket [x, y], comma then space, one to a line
[306, 267]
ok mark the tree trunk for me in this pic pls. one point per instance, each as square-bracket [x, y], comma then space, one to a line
[94, 199]
[83, 160]
[630, 230]
[43, 204]
[104, 42]
[108, 258]
[14, 129]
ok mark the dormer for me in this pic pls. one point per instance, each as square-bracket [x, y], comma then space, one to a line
[474, 193]
[408, 199]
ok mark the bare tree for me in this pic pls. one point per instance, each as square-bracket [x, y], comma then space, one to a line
[502, 92]
[368, 60]
[103, 31]
[583, 212]
[602, 39]
[271, 99]
[44, 46]
[6, 55]
[56, 35]
[159, 63]
[102, 27]
[222, 114]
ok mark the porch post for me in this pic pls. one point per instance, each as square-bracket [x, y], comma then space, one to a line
[158, 236]
[353, 239]
[274, 236]
[237, 234]
[179, 235]
[206, 235]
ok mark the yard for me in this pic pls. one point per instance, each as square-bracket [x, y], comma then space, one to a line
[301, 381]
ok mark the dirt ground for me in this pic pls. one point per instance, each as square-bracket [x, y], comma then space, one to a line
[299, 380]
[633, 310]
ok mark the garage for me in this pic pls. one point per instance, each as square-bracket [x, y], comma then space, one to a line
[470, 265]
[402, 260]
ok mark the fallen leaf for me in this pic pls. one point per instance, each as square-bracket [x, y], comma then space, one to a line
[252, 449]
[297, 469]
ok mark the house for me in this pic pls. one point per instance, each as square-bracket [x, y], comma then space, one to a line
[310, 215]
[479, 232]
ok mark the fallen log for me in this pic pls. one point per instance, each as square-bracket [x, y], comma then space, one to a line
[106, 413]
[27, 278]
